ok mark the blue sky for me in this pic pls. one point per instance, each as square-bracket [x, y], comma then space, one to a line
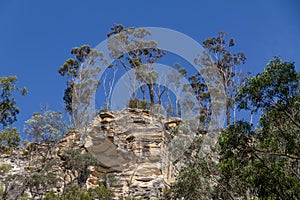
[36, 36]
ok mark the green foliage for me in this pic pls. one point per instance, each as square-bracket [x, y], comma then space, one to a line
[226, 62]
[9, 137]
[40, 182]
[1, 190]
[194, 181]
[278, 85]
[256, 162]
[132, 51]
[138, 103]
[146, 75]
[4, 168]
[82, 74]
[74, 192]
[46, 126]
[8, 109]
[197, 179]
[75, 160]
[202, 95]
[219, 46]
[102, 192]
[25, 143]
[72, 69]
[265, 162]
[235, 150]
[25, 196]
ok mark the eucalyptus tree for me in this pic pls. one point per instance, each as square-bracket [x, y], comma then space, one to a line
[9, 136]
[255, 162]
[45, 126]
[78, 68]
[226, 62]
[131, 50]
[82, 74]
[8, 108]
[264, 162]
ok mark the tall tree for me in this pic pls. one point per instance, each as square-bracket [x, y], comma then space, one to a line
[8, 108]
[256, 162]
[226, 63]
[265, 162]
[82, 73]
[73, 68]
[132, 51]
[202, 95]
[70, 70]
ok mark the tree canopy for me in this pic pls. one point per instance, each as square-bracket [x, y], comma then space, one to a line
[8, 108]
[45, 126]
[256, 162]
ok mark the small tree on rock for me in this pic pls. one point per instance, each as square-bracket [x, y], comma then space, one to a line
[45, 126]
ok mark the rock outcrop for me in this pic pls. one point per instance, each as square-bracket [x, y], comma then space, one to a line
[129, 143]
[130, 146]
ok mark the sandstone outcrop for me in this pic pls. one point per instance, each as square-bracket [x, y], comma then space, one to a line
[130, 146]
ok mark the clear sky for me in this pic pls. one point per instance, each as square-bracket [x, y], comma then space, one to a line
[36, 36]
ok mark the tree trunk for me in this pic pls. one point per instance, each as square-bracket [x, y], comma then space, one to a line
[151, 93]
[227, 112]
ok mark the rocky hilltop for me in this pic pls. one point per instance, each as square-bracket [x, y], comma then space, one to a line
[129, 145]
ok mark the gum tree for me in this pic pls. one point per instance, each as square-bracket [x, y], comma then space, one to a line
[264, 162]
[226, 62]
[9, 136]
[77, 68]
[45, 126]
[8, 108]
[132, 50]
[254, 162]
[82, 74]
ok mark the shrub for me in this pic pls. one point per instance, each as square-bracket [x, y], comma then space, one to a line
[9, 137]
[1, 190]
[138, 103]
[4, 168]
[74, 192]
[45, 126]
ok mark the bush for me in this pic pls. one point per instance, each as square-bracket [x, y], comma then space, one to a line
[1, 190]
[41, 182]
[76, 161]
[45, 126]
[9, 137]
[138, 103]
[195, 181]
[74, 192]
[4, 168]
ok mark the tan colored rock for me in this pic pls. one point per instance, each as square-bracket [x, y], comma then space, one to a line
[133, 146]
[104, 115]
[172, 123]
[130, 147]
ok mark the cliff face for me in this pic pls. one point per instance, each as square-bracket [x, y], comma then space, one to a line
[130, 146]
[26, 162]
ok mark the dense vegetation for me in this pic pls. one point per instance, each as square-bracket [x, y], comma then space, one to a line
[259, 162]
[249, 161]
